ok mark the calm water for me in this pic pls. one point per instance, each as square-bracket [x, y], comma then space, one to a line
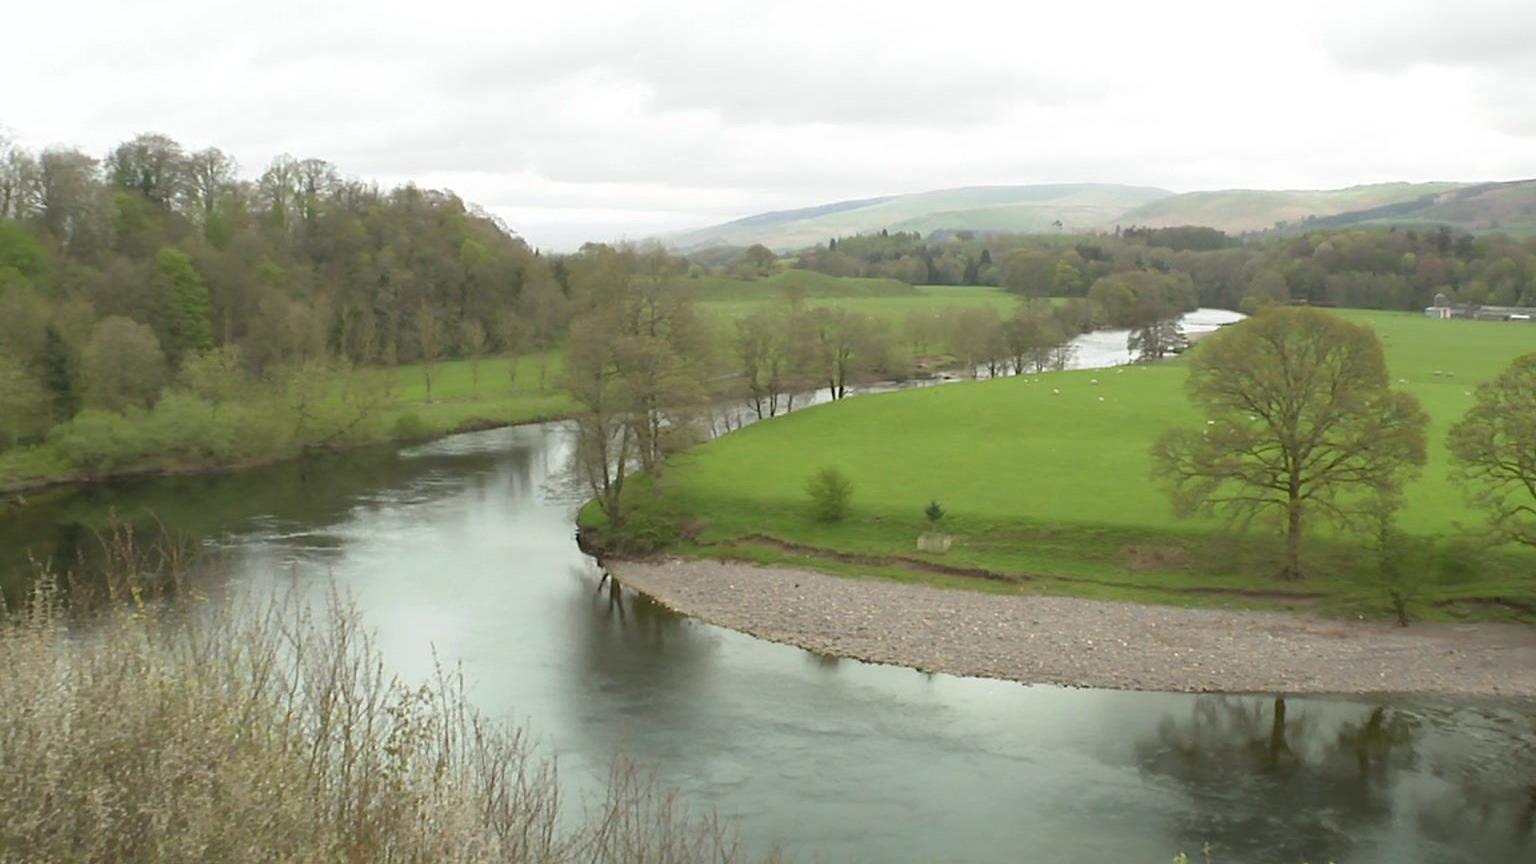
[463, 545]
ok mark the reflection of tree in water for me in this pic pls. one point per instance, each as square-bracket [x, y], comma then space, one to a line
[1271, 782]
[634, 645]
[1488, 803]
[58, 529]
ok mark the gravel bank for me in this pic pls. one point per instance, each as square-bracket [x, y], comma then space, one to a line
[1090, 643]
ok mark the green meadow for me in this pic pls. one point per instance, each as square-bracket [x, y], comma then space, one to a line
[1052, 490]
[508, 391]
[724, 299]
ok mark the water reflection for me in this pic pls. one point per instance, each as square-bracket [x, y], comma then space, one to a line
[462, 550]
[1314, 780]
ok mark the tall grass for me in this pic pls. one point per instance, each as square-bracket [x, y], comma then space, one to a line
[270, 730]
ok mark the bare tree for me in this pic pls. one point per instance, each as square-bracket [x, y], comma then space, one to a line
[472, 342]
[510, 332]
[210, 177]
[429, 342]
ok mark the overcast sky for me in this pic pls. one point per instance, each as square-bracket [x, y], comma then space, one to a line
[586, 119]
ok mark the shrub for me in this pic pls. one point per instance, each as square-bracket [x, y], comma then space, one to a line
[830, 492]
[99, 442]
[410, 425]
[1457, 561]
[645, 529]
[935, 514]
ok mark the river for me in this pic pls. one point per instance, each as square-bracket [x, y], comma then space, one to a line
[465, 546]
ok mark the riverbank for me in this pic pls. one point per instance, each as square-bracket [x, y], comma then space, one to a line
[1039, 639]
[262, 427]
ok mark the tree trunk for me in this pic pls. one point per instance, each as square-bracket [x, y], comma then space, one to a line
[1292, 567]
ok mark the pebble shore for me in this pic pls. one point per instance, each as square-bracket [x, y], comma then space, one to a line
[1089, 643]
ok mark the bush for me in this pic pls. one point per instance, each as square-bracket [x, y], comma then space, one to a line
[645, 529]
[99, 442]
[830, 492]
[935, 514]
[410, 425]
[1457, 561]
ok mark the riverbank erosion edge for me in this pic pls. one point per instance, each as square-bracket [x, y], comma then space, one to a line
[1074, 642]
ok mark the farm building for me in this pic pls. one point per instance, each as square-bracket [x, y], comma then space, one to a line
[1481, 313]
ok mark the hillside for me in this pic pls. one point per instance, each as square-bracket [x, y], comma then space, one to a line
[1079, 207]
[1239, 210]
[1503, 206]
[1507, 207]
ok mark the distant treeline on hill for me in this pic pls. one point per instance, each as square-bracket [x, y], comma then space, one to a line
[1394, 268]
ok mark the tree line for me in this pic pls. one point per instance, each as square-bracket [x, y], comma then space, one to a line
[156, 267]
[1388, 268]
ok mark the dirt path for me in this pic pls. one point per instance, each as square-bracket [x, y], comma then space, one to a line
[1090, 643]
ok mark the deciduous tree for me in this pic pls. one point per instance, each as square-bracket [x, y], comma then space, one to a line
[122, 365]
[429, 342]
[1494, 450]
[24, 403]
[472, 343]
[182, 305]
[1299, 420]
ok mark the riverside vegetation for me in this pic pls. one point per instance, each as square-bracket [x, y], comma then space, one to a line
[157, 312]
[161, 314]
[134, 729]
[1048, 484]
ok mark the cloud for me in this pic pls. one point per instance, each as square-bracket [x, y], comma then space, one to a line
[617, 119]
[1479, 34]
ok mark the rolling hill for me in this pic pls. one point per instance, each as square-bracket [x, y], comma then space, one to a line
[1240, 210]
[1078, 206]
[1081, 207]
[1508, 207]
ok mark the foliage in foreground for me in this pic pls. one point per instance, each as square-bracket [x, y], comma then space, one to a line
[272, 732]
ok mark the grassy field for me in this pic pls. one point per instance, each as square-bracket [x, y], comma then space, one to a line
[500, 398]
[815, 286]
[1058, 487]
[725, 307]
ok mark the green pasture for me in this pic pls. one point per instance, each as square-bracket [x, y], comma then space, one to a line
[893, 307]
[1048, 476]
[508, 392]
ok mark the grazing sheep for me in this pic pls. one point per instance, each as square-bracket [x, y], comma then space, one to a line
[1055, 392]
[1101, 398]
[1093, 381]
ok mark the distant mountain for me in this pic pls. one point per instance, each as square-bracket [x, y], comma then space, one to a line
[1239, 210]
[1507, 207]
[1078, 206]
